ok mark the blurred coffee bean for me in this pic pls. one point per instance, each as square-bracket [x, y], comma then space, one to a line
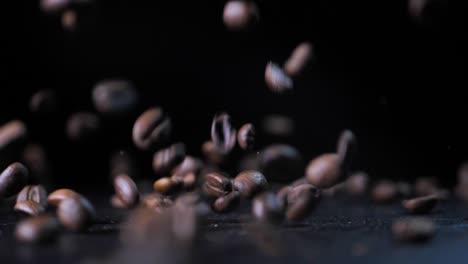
[420, 205]
[346, 149]
[216, 185]
[151, 129]
[188, 165]
[167, 185]
[239, 14]
[425, 186]
[13, 179]
[116, 202]
[404, 188]
[278, 125]
[167, 159]
[276, 79]
[52, 6]
[29, 207]
[114, 96]
[82, 125]
[336, 189]
[416, 8]
[122, 163]
[249, 183]
[413, 229]
[249, 162]
[324, 171]
[126, 189]
[188, 181]
[72, 214]
[36, 160]
[267, 208]
[281, 163]
[43, 102]
[69, 20]
[356, 184]
[301, 200]
[58, 196]
[223, 134]
[246, 136]
[12, 133]
[298, 59]
[384, 192]
[212, 153]
[227, 202]
[282, 194]
[156, 201]
[36, 193]
[37, 229]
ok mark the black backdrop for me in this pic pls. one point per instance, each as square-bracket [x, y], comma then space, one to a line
[398, 84]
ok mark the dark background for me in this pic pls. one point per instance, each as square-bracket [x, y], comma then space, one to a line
[396, 82]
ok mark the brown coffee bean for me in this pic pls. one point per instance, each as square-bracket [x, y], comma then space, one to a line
[276, 79]
[281, 163]
[356, 184]
[12, 133]
[239, 14]
[114, 96]
[217, 185]
[122, 163]
[278, 125]
[43, 102]
[60, 195]
[116, 202]
[298, 59]
[82, 125]
[188, 181]
[384, 192]
[36, 193]
[37, 229]
[69, 20]
[301, 201]
[421, 205]
[167, 159]
[29, 207]
[246, 136]
[267, 208]
[413, 229]
[226, 203]
[52, 6]
[72, 214]
[249, 183]
[346, 149]
[151, 129]
[126, 189]
[13, 179]
[188, 166]
[156, 201]
[223, 134]
[35, 159]
[282, 194]
[167, 185]
[324, 171]
[212, 153]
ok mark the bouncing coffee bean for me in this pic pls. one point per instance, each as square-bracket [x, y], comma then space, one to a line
[384, 192]
[239, 14]
[82, 125]
[36, 193]
[346, 149]
[216, 185]
[298, 59]
[60, 195]
[37, 229]
[324, 171]
[13, 179]
[167, 159]
[126, 190]
[43, 102]
[114, 96]
[223, 134]
[167, 185]
[72, 214]
[227, 202]
[413, 229]
[267, 208]
[276, 79]
[151, 129]
[421, 205]
[301, 200]
[246, 136]
[29, 207]
[281, 163]
[12, 133]
[249, 183]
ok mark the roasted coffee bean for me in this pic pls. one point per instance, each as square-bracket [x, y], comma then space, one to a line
[217, 185]
[281, 163]
[246, 136]
[43, 102]
[35, 159]
[156, 201]
[116, 202]
[82, 125]
[239, 14]
[425, 186]
[298, 59]
[114, 96]
[421, 205]
[52, 6]
[29, 207]
[36, 193]
[301, 201]
[384, 192]
[72, 214]
[249, 183]
[267, 208]
[324, 171]
[226, 203]
[122, 163]
[151, 129]
[212, 153]
[276, 79]
[126, 189]
[167, 185]
[37, 229]
[69, 20]
[346, 149]
[223, 134]
[282, 194]
[60, 195]
[13, 179]
[278, 125]
[249, 162]
[334, 190]
[12, 133]
[188, 165]
[357, 183]
[167, 159]
[413, 229]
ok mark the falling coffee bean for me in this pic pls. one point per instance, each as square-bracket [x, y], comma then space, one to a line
[421, 205]
[278, 125]
[239, 14]
[212, 153]
[114, 96]
[384, 192]
[37, 229]
[356, 184]
[167, 159]
[116, 202]
[167, 185]
[188, 165]
[82, 125]
[29, 207]
[151, 129]
[346, 149]
[13, 179]
[58, 196]
[126, 189]
[267, 208]
[298, 59]
[282, 163]
[43, 102]
[227, 202]
[156, 201]
[12, 133]
[413, 229]
[223, 134]
[35, 193]
[249, 183]
[52, 6]
[324, 171]
[301, 200]
[217, 185]
[276, 79]
[72, 214]
[282, 194]
[246, 136]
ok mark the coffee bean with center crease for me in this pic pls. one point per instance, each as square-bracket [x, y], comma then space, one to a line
[227, 202]
[114, 96]
[126, 190]
[267, 208]
[82, 125]
[324, 171]
[167, 185]
[281, 163]
[167, 159]
[13, 179]
[301, 201]
[223, 134]
[421, 205]
[43, 102]
[384, 192]
[216, 185]
[246, 136]
[346, 149]
[239, 14]
[12, 133]
[413, 229]
[36, 193]
[151, 129]
[276, 79]
[29, 207]
[249, 183]
[298, 59]
[37, 229]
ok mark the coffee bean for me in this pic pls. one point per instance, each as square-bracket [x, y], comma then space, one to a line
[167, 159]
[126, 189]
[413, 229]
[239, 14]
[216, 185]
[156, 201]
[167, 185]
[425, 186]
[212, 153]
[122, 163]
[223, 134]
[116, 202]
[52, 6]
[72, 214]
[37, 229]
[384, 192]
[278, 125]
[35, 159]
[246, 136]
[298, 59]
[13, 179]
[276, 79]
[267, 208]
[356, 184]
[82, 125]
[69, 20]
[43, 102]
[151, 129]
[346, 149]
[29, 207]
[301, 201]
[188, 165]
[36, 193]
[58, 196]
[421, 205]
[324, 171]
[282, 194]
[249, 183]
[12, 133]
[281, 163]
[114, 96]
[227, 202]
